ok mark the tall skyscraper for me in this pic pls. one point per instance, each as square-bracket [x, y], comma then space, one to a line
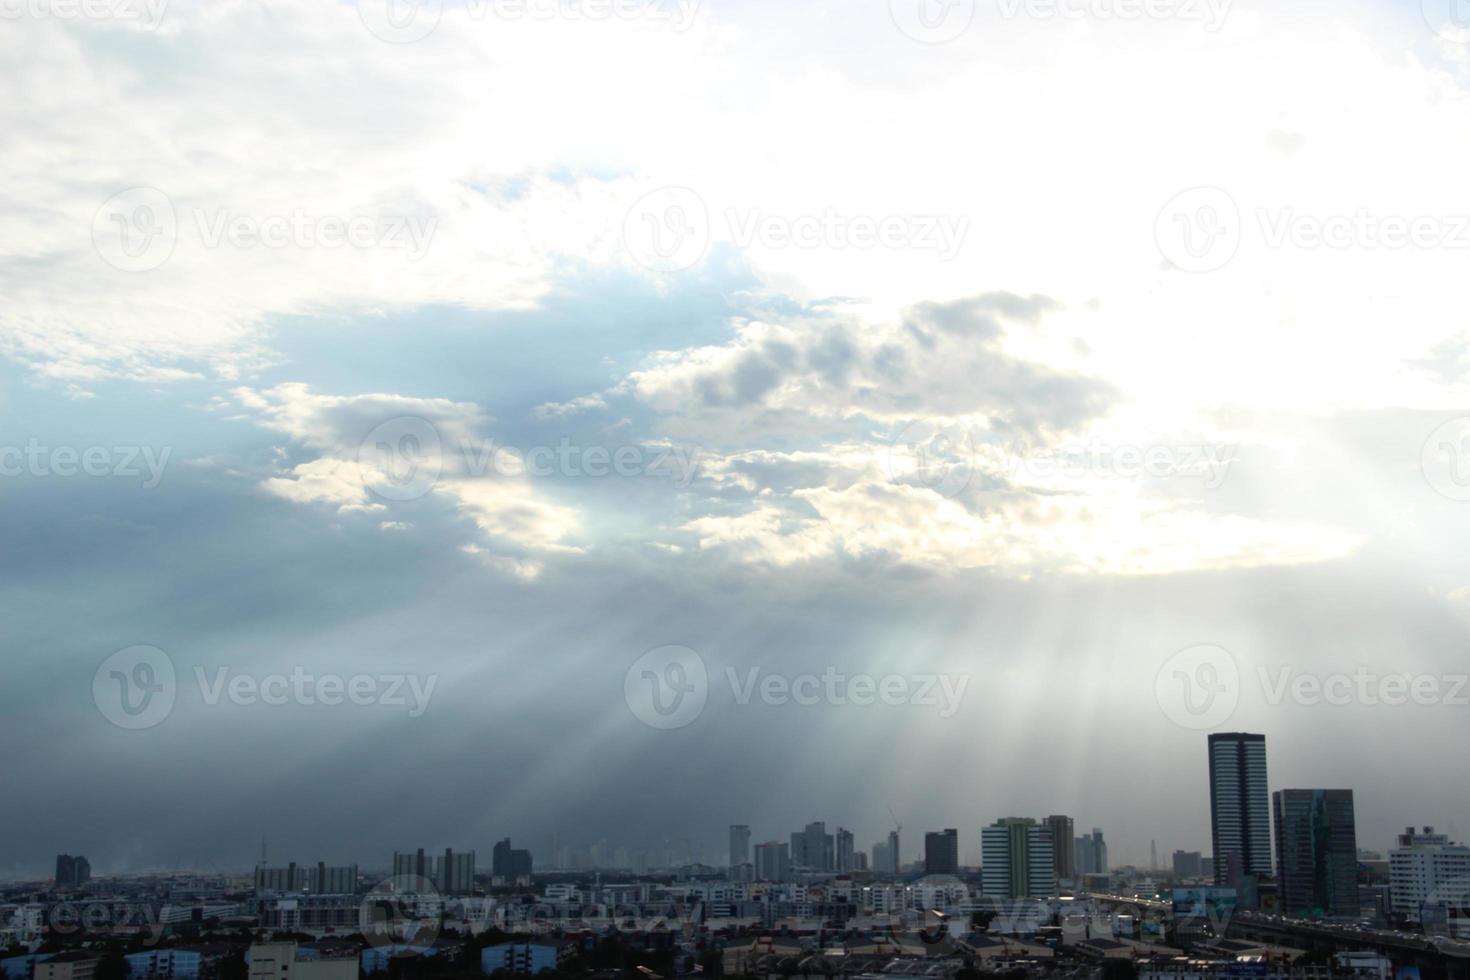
[772, 862]
[739, 844]
[1316, 851]
[813, 848]
[1429, 881]
[895, 859]
[844, 850]
[942, 852]
[1064, 857]
[1092, 853]
[325, 880]
[281, 880]
[456, 872]
[412, 864]
[1017, 859]
[72, 872]
[1240, 807]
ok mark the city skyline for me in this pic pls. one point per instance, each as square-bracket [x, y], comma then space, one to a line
[591, 424]
[1236, 762]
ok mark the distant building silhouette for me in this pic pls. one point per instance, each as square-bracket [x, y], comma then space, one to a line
[813, 847]
[1091, 853]
[509, 862]
[72, 872]
[942, 852]
[772, 861]
[1063, 854]
[739, 845]
[844, 860]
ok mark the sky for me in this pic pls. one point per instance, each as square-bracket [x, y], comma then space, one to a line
[428, 422]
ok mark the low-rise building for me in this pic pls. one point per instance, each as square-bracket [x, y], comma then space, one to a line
[520, 957]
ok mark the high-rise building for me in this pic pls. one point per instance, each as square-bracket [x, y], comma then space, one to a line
[895, 859]
[454, 873]
[412, 864]
[328, 880]
[844, 850]
[813, 848]
[508, 862]
[1316, 851]
[1092, 853]
[1240, 807]
[281, 881]
[882, 863]
[1429, 881]
[859, 861]
[942, 852]
[72, 872]
[1016, 854]
[739, 845]
[772, 861]
[1063, 856]
[1187, 864]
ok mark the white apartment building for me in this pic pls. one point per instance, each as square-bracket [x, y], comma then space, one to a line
[1429, 880]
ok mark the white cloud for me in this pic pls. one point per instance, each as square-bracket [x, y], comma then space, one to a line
[363, 465]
